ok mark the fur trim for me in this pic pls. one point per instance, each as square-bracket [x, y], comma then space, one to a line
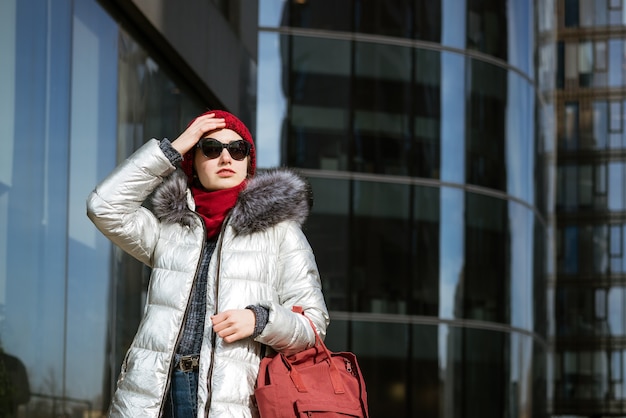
[169, 202]
[271, 196]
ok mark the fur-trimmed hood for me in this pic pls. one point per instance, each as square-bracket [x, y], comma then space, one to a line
[271, 196]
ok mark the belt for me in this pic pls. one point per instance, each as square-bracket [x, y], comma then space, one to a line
[188, 363]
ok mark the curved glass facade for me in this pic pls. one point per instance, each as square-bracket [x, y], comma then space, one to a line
[424, 129]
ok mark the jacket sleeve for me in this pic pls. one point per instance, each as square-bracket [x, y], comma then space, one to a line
[115, 205]
[300, 285]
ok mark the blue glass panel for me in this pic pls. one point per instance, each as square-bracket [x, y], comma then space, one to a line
[270, 135]
[273, 13]
[454, 18]
[520, 138]
[33, 208]
[521, 39]
[453, 124]
[522, 265]
[616, 63]
[451, 252]
[92, 155]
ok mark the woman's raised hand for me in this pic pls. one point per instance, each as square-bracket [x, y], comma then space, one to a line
[196, 130]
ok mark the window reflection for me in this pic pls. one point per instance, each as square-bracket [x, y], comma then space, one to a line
[590, 13]
[418, 19]
[381, 247]
[150, 104]
[452, 370]
[591, 187]
[382, 132]
[486, 270]
[596, 63]
[328, 230]
[271, 117]
[597, 312]
[370, 114]
[590, 375]
[384, 363]
[54, 275]
[320, 92]
[568, 137]
[616, 60]
[315, 14]
[487, 27]
[486, 110]
[428, 23]
[453, 119]
[385, 17]
[391, 251]
[427, 97]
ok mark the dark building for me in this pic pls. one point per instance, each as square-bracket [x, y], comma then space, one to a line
[426, 128]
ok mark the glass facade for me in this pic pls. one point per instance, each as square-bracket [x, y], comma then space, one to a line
[590, 205]
[426, 130]
[424, 127]
[77, 95]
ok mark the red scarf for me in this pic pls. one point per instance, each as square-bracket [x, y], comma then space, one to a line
[214, 206]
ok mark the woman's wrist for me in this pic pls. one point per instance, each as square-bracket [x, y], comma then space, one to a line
[261, 315]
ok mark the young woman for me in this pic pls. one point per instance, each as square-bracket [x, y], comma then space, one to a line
[228, 259]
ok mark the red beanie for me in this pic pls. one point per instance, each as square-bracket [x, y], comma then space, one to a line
[232, 123]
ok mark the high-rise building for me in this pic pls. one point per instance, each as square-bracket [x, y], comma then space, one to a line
[427, 130]
[590, 310]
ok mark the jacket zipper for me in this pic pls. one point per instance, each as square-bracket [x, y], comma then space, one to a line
[207, 407]
[180, 330]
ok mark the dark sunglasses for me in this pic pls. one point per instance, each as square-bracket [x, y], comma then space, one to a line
[212, 148]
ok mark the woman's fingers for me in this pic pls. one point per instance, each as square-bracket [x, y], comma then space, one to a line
[196, 130]
[235, 324]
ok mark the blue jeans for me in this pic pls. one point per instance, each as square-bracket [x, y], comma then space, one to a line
[182, 399]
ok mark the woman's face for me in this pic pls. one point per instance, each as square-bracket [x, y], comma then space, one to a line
[222, 172]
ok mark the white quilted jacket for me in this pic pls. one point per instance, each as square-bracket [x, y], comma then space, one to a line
[262, 258]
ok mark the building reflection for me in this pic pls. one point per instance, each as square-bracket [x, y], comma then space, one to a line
[417, 136]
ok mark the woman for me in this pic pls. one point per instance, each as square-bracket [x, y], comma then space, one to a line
[228, 259]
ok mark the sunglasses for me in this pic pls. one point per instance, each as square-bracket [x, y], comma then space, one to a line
[212, 148]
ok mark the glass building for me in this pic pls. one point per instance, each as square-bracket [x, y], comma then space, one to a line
[590, 343]
[82, 84]
[426, 129]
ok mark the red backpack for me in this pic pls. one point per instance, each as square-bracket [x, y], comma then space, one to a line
[314, 382]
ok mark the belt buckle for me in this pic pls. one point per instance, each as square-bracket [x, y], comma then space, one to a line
[189, 363]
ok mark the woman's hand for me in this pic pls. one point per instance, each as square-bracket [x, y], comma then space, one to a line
[234, 324]
[196, 130]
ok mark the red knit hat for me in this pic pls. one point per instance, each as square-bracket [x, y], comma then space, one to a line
[232, 123]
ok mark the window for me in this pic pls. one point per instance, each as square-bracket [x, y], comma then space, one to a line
[571, 13]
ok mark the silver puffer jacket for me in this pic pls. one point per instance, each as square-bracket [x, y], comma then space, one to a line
[262, 257]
